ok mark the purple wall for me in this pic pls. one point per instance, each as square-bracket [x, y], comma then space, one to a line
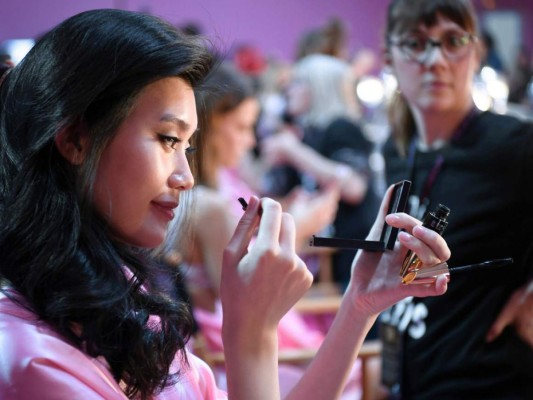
[273, 26]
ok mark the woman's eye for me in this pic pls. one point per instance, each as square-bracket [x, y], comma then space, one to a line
[170, 141]
[190, 150]
[415, 43]
[456, 40]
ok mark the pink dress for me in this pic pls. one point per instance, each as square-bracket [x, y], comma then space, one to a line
[37, 363]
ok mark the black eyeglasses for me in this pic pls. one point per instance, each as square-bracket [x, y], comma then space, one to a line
[417, 47]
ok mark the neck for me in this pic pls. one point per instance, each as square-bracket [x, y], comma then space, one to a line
[437, 128]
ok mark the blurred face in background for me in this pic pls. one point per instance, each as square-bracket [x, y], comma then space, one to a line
[233, 133]
[433, 78]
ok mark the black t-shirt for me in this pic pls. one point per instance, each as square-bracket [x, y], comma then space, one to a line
[487, 182]
[343, 141]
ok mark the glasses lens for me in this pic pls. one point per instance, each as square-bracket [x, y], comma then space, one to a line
[414, 47]
[456, 45]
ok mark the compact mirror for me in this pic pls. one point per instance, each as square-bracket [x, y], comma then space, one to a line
[398, 203]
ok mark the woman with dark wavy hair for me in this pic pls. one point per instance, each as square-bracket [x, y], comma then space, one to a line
[96, 126]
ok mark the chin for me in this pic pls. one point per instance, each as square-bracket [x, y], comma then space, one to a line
[148, 240]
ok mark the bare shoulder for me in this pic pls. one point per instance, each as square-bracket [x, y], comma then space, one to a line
[211, 209]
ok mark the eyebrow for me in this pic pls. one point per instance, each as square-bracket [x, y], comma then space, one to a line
[180, 123]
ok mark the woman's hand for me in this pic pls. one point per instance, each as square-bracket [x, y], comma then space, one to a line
[376, 283]
[261, 283]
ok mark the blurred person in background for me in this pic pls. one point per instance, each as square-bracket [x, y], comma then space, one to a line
[322, 143]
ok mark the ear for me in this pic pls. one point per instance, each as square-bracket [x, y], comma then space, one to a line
[72, 143]
[386, 56]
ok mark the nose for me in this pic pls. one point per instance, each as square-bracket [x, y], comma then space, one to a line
[434, 54]
[181, 178]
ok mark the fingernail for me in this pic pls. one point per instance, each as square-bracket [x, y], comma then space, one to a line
[405, 236]
[253, 201]
[421, 230]
[392, 218]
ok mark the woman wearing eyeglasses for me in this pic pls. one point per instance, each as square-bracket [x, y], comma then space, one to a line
[476, 341]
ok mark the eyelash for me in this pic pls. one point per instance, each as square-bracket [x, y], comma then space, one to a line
[171, 141]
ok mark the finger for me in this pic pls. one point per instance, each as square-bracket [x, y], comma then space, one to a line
[403, 221]
[401, 291]
[524, 326]
[424, 253]
[505, 318]
[433, 242]
[435, 288]
[270, 224]
[245, 230]
[287, 236]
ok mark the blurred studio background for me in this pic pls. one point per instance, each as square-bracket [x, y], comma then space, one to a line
[264, 38]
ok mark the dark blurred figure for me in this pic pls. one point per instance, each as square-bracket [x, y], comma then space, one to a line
[490, 56]
[330, 39]
[5, 57]
[520, 76]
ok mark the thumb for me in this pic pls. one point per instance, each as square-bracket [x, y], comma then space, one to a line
[505, 318]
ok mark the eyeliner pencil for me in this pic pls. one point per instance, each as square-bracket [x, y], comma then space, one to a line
[244, 205]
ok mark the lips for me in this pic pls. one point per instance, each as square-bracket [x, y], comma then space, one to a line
[436, 84]
[165, 208]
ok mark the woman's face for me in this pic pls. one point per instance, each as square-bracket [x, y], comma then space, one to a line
[233, 133]
[145, 167]
[436, 83]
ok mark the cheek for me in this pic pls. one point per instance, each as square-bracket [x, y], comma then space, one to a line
[406, 75]
[122, 188]
[407, 84]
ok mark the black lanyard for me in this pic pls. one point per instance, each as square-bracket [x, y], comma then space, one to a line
[423, 198]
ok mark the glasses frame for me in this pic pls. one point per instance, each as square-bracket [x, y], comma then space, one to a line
[431, 44]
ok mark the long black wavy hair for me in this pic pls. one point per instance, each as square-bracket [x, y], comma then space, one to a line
[54, 249]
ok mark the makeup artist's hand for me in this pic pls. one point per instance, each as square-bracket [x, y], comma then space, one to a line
[518, 312]
[261, 283]
[376, 284]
